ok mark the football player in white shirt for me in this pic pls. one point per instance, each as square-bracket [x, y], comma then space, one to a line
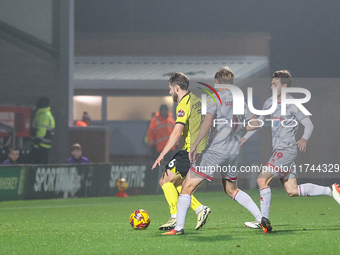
[281, 164]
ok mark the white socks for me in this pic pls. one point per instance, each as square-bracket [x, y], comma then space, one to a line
[310, 189]
[245, 200]
[199, 209]
[265, 199]
[184, 201]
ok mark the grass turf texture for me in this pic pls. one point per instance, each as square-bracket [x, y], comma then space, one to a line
[301, 225]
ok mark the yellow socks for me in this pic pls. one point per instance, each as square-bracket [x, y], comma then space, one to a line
[171, 196]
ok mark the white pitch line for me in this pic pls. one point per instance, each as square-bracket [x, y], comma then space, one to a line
[81, 205]
[67, 206]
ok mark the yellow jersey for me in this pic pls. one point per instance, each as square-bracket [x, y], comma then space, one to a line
[188, 113]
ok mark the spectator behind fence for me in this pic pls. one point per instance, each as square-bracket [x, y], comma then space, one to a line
[77, 158]
[86, 120]
[13, 156]
[42, 131]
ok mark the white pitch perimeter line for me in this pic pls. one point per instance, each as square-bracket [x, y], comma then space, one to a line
[79, 205]
[47, 206]
[60, 206]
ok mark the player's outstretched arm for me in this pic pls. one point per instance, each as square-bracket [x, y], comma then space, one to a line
[302, 143]
[193, 154]
[250, 133]
[207, 122]
[253, 124]
[243, 140]
[173, 140]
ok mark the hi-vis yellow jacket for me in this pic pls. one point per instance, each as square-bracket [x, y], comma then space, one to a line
[43, 126]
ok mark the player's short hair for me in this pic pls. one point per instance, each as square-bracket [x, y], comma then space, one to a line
[225, 75]
[284, 76]
[179, 79]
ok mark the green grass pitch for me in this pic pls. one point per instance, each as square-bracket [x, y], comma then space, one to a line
[301, 225]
